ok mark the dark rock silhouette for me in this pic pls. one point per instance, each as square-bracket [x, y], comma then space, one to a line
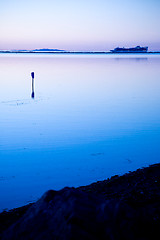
[126, 207]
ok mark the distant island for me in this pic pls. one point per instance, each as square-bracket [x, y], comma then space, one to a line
[47, 50]
[41, 50]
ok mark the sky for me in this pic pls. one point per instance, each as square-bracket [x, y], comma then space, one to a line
[79, 25]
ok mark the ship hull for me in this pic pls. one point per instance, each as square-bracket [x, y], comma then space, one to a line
[137, 49]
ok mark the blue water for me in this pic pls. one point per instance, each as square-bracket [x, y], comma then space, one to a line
[92, 116]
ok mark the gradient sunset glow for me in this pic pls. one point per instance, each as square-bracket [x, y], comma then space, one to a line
[85, 25]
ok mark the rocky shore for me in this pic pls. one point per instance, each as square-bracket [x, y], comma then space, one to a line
[123, 207]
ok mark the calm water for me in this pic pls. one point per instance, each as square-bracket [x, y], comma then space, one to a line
[93, 116]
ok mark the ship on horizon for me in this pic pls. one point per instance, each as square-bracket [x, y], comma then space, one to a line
[137, 49]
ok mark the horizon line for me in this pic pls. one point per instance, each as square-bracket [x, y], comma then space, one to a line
[67, 52]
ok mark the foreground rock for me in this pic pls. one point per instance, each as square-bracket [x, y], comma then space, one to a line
[126, 207]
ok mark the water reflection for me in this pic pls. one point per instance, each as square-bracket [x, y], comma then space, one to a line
[131, 59]
[103, 119]
[32, 94]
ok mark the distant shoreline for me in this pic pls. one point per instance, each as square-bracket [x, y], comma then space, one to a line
[73, 52]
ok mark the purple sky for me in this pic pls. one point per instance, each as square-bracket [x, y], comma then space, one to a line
[97, 25]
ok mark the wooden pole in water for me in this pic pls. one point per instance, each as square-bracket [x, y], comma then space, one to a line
[32, 75]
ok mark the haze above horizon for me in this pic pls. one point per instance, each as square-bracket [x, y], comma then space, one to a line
[79, 26]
